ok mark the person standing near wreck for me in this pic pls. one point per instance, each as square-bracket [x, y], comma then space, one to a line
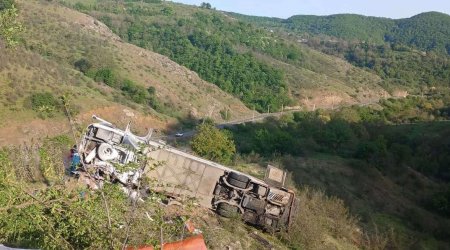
[75, 159]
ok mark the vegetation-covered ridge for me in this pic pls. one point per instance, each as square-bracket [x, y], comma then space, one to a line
[262, 69]
[409, 54]
[426, 31]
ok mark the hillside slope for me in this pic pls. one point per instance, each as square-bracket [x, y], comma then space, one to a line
[263, 69]
[45, 63]
[426, 31]
[407, 54]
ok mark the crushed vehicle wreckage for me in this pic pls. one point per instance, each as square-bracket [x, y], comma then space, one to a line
[265, 204]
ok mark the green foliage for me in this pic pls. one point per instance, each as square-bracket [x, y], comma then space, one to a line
[167, 11]
[136, 92]
[426, 31]
[6, 4]
[211, 143]
[384, 46]
[107, 76]
[133, 91]
[371, 139]
[401, 67]
[10, 28]
[83, 65]
[440, 202]
[213, 55]
[45, 104]
[64, 215]
[205, 5]
[343, 26]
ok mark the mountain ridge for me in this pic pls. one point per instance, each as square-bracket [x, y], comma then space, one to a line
[369, 28]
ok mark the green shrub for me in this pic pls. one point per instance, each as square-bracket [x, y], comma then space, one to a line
[136, 92]
[213, 144]
[106, 76]
[83, 65]
[6, 4]
[40, 100]
[45, 104]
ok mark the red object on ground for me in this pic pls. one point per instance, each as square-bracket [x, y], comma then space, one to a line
[192, 243]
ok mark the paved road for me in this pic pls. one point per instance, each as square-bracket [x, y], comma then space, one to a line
[259, 116]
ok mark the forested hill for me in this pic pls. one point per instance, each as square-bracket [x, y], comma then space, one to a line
[426, 31]
[263, 69]
[409, 53]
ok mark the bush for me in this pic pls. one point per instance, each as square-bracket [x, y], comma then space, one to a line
[136, 92]
[213, 144]
[83, 65]
[440, 202]
[44, 103]
[106, 76]
[6, 4]
[60, 216]
[10, 27]
[40, 100]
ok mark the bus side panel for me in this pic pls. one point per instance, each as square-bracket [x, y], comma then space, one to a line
[183, 177]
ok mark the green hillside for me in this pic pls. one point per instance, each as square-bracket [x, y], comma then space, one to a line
[261, 68]
[64, 52]
[369, 173]
[406, 53]
[345, 26]
[389, 162]
[426, 31]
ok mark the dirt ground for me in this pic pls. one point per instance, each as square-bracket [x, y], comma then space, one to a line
[18, 133]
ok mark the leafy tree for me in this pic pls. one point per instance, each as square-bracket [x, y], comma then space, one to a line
[10, 28]
[213, 144]
[6, 4]
[167, 11]
[106, 76]
[83, 65]
[337, 133]
[137, 93]
[206, 5]
[214, 55]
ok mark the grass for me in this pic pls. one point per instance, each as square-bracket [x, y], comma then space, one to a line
[56, 37]
[314, 74]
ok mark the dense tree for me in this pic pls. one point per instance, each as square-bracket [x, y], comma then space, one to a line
[427, 31]
[205, 5]
[106, 76]
[365, 134]
[83, 65]
[10, 28]
[6, 4]
[211, 143]
[209, 44]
